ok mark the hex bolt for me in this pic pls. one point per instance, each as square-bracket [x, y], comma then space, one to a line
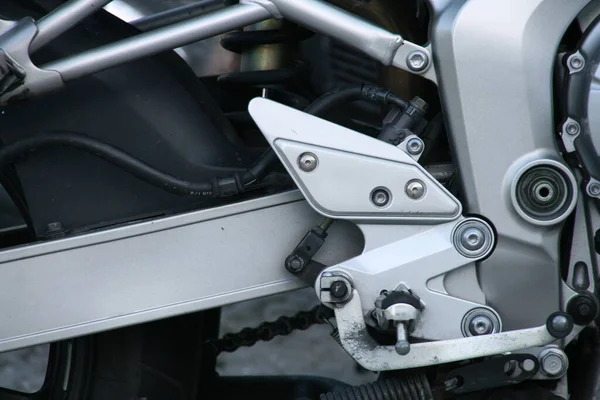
[295, 263]
[553, 362]
[528, 365]
[576, 62]
[594, 189]
[338, 289]
[481, 325]
[308, 162]
[417, 60]
[573, 128]
[415, 146]
[415, 189]
[380, 197]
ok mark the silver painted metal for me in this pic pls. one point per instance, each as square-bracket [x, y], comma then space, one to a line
[554, 362]
[480, 321]
[157, 269]
[415, 189]
[62, 19]
[308, 162]
[473, 238]
[515, 42]
[384, 46]
[417, 60]
[357, 342]
[411, 256]
[400, 312]
[570, 131]
[158, 40]
[15, 43]
[351, 165]
[174, 15]
[575, 62]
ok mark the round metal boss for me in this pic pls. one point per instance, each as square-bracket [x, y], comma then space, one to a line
[473, 238]
[480, 321]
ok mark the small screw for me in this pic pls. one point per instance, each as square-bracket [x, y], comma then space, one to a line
[417, 61]
[528, 365]
[481, 325]
[380, 197]
[576, 62]
[594, 189]
[573, 128]
[415, 189]
[308, 162]
[338, 289]
[472, 239]
[295, 263]
[415, 146]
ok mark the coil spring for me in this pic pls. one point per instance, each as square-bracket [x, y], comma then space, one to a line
[406, 388]
[244, 41]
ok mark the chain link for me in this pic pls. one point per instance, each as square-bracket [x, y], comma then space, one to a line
[266, 331]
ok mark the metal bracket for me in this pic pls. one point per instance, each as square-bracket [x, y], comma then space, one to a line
[350, 175]
[570, 131]
[372, 356]
[15, 43]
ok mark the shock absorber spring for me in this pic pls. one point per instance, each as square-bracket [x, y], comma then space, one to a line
[268, 56]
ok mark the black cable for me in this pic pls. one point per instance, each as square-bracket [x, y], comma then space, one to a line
[217, 187]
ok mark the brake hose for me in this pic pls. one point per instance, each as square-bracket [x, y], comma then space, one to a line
[217, 187]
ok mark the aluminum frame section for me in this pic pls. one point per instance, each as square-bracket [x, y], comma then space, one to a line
[384, 46]
[495, 65]
[370, 355]
[157, 269]
[62, 19]
[158, 40]
[412, 262]
[350, 167]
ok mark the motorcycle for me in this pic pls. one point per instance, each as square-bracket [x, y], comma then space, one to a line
[428, 167]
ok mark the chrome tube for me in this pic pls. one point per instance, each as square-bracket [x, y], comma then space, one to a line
[62, 19]
[158, 40]
[178, 14]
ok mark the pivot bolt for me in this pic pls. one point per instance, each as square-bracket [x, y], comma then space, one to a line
[594, 189]
[559, 324]
[576, 62]
[528, 365]
[295, 263]
[481, 325]
[473, 238]
[553, 362]
[415, 146]
[573, 128]
[417, 61]
[308, 162]
[338, 289]
[380, 197]
[415, 189]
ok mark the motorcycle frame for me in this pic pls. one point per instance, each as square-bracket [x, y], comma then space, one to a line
[157, 269]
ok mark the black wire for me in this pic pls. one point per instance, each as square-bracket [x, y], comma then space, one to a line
[217, 187]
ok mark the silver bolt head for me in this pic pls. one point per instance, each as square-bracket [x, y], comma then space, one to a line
[417, 60]
[560, 323]
[415, 189]
[481, 325]
[473, 239]
[553, 362]
[415, 146]
[308, 162]
[594, 189]
[573, 128]
[402, 347]
[576, 62]
[380, 197]
[528, 365]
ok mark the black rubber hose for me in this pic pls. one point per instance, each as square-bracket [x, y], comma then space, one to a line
[217, 187]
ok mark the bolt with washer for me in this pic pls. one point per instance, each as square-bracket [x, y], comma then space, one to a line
[594, 189]
[415, 189]
[553, 362]
[338, 289]
[576, 62]
[308, 162]
[417, 60]
[415, 146]
[573, 128]
[481, 325]
[380, 197]
[473, 238]
[295, 263]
